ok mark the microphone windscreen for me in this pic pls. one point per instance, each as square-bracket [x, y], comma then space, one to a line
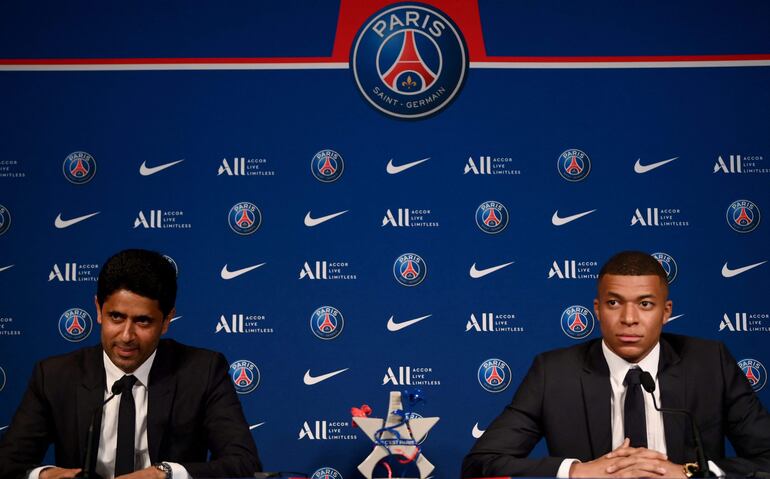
[117, 386]
[647, 382]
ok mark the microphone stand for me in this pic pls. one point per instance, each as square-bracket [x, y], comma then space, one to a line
[89, 464]
[703, 469]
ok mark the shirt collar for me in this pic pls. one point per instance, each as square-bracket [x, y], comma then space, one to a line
[619, 366]
[114, 373]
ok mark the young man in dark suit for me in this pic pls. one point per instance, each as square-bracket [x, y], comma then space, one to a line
[586, 400]
[177, 403]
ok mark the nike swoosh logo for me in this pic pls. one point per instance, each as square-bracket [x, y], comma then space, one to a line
[175, 318]
[145, 170]
[394, 326]
[7, 267]
[254, 426]
[394, 169]
[480, 273]
[310, 380]
[476, 431]
[729, 273]
[559, 221]
[310, 221]
[61, 224]
[674, 317]
[226, 274]
[640, 168]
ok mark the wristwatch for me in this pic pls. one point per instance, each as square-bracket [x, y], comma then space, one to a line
[164, 468]
[690, 468]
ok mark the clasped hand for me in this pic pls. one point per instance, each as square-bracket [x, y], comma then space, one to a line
[627, 461]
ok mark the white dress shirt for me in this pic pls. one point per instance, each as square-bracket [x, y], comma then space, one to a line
[108, 439]
[656, 435]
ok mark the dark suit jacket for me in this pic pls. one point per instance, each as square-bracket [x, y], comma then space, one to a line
[192, 408]
[565, 398]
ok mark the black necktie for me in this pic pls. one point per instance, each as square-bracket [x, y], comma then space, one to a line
[124, 458]
[635, 422]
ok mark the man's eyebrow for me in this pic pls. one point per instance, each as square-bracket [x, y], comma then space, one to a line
[640, 297]
[115, 312]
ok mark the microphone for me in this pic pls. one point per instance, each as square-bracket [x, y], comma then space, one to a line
[90, 464]
[703, 469]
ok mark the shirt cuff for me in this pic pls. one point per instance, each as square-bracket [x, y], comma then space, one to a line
[716, 470]
[35, 473]
[177, 471]
[563, 472]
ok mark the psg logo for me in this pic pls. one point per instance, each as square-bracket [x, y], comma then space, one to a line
[173, 263]
[244, 218]
[245, 376]
[409, 60]
[743, 216]
[326, 473]
[75, 325]
[2, 379]
[755, 373]
[491, 217]
[494, 375]
[574, 165]
[326, 322]
[577, 322]
[669, 265]
[79, 167]
[409, 269]
[327, 166]
[5, 219]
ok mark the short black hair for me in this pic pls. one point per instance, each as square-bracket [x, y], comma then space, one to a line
[146, 273]
[634, 263]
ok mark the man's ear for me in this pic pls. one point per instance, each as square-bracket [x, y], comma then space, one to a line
[167, 320]
[98, 310]
[596, 308]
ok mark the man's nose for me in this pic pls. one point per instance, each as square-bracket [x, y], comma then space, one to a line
[629, 314]
[127, 331]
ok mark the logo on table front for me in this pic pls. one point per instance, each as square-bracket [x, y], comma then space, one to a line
[743, 216]
[79, 167]
[326, 473]
[573, 165]
[577, 322]
[326, 322]
[409, 269]
[755, 373]
[668, 264]
[244, 218]
[409, 60]
[5, 219]
[327, 166]
[494, 375]
[410, 376]
[326, 430]
[491, 217]
[75, 325]
[245, 376]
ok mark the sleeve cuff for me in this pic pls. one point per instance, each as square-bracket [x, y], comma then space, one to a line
[563, 472]
[178, 471]
[716, 470]
[35, 473]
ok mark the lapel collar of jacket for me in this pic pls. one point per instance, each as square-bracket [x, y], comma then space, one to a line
[90, 395]
[160, 397]
[597, 392]
[672, 395]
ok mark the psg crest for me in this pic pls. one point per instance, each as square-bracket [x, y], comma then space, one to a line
[577, 322]
[409, 269]
[245, 376]
[668, 264]
[494, 375]
[491, 217]
[755, 373]
[79, 167]
[244, 218]
[574, 165]
[75, 325]
[327, 322]
[327, 166]
[743, 216]
[409, 60]
[5, 219]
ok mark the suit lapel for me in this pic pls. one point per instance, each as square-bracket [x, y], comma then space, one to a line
[90, 395]
[595, 381]
[672, 395]
[160, 395]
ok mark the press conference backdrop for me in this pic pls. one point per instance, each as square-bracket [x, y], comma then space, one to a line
[363, 197]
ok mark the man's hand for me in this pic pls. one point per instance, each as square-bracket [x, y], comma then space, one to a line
[57, 473]
[151, 472]
[625, 461]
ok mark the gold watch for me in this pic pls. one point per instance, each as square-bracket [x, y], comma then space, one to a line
[690, 468]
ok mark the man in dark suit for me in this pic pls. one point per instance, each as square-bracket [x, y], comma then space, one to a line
[177, 403]
[595, 418]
